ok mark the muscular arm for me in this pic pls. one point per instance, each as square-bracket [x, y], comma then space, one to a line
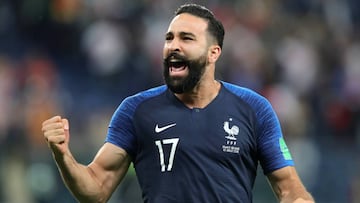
[288, 187]
[97, 181]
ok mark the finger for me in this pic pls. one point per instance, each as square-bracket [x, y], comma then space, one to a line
[52, 126]
[54, 133]
[56, 139]
[52, 120]
[66, 129]
[65, 123]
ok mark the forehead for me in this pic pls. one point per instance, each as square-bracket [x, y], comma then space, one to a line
[188, 23]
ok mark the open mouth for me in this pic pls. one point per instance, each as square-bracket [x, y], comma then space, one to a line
[177, 65]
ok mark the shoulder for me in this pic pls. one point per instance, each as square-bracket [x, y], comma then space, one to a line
[238, 90]
[149, 93]
[129, 105]
[261, 106]
[252, 98]
[136, 99]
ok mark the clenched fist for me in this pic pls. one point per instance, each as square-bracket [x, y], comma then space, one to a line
[56, 133]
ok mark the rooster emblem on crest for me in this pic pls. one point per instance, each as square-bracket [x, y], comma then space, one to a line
[234, 130]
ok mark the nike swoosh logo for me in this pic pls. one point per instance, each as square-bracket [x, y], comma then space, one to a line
[160, 129]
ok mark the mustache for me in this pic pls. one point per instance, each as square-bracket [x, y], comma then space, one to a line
[175, 55]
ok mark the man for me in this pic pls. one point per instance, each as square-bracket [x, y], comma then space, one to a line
[195, 139]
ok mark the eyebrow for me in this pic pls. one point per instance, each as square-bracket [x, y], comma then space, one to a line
[182, 34]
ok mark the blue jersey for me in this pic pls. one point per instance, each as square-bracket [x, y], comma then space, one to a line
[199, 155]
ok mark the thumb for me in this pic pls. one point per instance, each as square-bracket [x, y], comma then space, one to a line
[66, 129]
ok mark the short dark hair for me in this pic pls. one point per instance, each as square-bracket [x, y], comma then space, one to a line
[215, 27]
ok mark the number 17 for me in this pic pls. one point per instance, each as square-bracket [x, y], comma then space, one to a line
[159, 144]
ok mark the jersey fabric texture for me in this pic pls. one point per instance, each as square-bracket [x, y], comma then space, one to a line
[199, 155]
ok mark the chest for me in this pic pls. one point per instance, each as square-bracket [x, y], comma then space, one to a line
[219, 132]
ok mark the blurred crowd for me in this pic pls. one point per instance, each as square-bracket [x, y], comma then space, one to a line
[80, 58]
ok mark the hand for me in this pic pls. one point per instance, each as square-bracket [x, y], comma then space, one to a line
[56, 133]
[300, 200]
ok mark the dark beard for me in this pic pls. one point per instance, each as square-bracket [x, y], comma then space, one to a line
[186, 84]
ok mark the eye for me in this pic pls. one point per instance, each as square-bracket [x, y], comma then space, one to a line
[187, 38]
[169, 36]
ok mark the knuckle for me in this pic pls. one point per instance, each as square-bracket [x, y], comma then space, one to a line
[55, 139]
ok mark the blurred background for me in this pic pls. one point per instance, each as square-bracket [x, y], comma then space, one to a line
[80, 58]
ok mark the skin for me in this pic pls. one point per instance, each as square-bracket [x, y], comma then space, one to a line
[97, 181]
[176, 40]
[94, 182]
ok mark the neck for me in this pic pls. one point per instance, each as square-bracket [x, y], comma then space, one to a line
[201, 95]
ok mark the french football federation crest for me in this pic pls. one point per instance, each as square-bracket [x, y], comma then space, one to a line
[232, 132]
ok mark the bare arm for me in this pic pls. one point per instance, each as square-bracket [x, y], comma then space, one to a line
[95, 182]
[288, 187]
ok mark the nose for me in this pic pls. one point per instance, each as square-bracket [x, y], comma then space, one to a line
[172, 45]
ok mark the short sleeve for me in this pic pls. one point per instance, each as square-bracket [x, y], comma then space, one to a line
[121, 131]
[272, 149]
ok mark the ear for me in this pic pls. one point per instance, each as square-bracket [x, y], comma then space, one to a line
[214, 53]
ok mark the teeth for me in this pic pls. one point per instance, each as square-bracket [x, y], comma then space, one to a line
[175, 60]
